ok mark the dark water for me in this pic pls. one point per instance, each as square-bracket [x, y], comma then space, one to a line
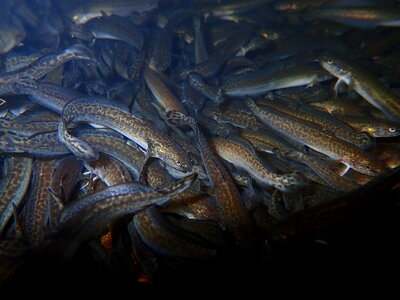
[87, 90]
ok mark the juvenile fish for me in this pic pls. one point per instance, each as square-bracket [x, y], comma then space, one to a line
[100, 112]
[16, 176]
[261, 82]
[245, 158]
[233, 211]
[375, 127]
[325, 122]
[166, 239]
[318, 140]
[364, 83]
[81, 218]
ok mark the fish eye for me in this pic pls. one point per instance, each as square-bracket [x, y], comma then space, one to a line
[178, 162]
[392, 130]
[329, 61]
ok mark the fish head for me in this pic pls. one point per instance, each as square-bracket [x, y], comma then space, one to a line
[368, 165]
[173, 156]
[336, 66]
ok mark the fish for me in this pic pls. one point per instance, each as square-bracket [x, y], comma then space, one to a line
[357, 16]
[157, 233]
[233, 212]
[42, 66]
[325, 121]
[244, 157]
[364, 83]
[116, 28]
[163, 95]
[235, 117]
[313, 137]
[46, 144]
[13, 186]
[375, 127]
[79, 219]
[81, 12]
[36, 212]
[200, 47]
[261, 82]
[109, 170]
[99, 111]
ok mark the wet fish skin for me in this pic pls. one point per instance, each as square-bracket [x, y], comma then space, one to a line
[375, 127]
[200, 48]
[224, 9]
[246, 158]
[116, 28]
[37, 209]
[66, 175]
[83, 217]
[78, 147]
[218, 57]
[365, 84]
[318, 140]
[81, 12]
[325, 122]
[13, 186]
[259, 83]
[210, 92]
[235, 117]
[165, 239]
[109, 170]
[324, 171]
[192, 98]
[42, 66]
[157, 144]
[161, 92]
[360, 17]
[47, 145]
[233, 212]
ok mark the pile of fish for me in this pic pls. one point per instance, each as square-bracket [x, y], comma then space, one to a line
[174, 129]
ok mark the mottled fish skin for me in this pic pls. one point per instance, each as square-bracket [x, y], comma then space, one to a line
[83, 217]
[14, 186]
[36, 211]
[318, 140]
[64, 179]
[163, 95]
[233, 212]
[365, 84]
[222, 53]
[109, 170]
[42, 66]
[258, 83]
[156, 143]
[246, 159]
[325, 121]
[116, 28]
[360, 17]
[208, 91]
[375, 127]
[324, 171]
[28, 128]
[83, 11]
[235, 117]
[163, 238]
[48, 95]
[47, 145]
